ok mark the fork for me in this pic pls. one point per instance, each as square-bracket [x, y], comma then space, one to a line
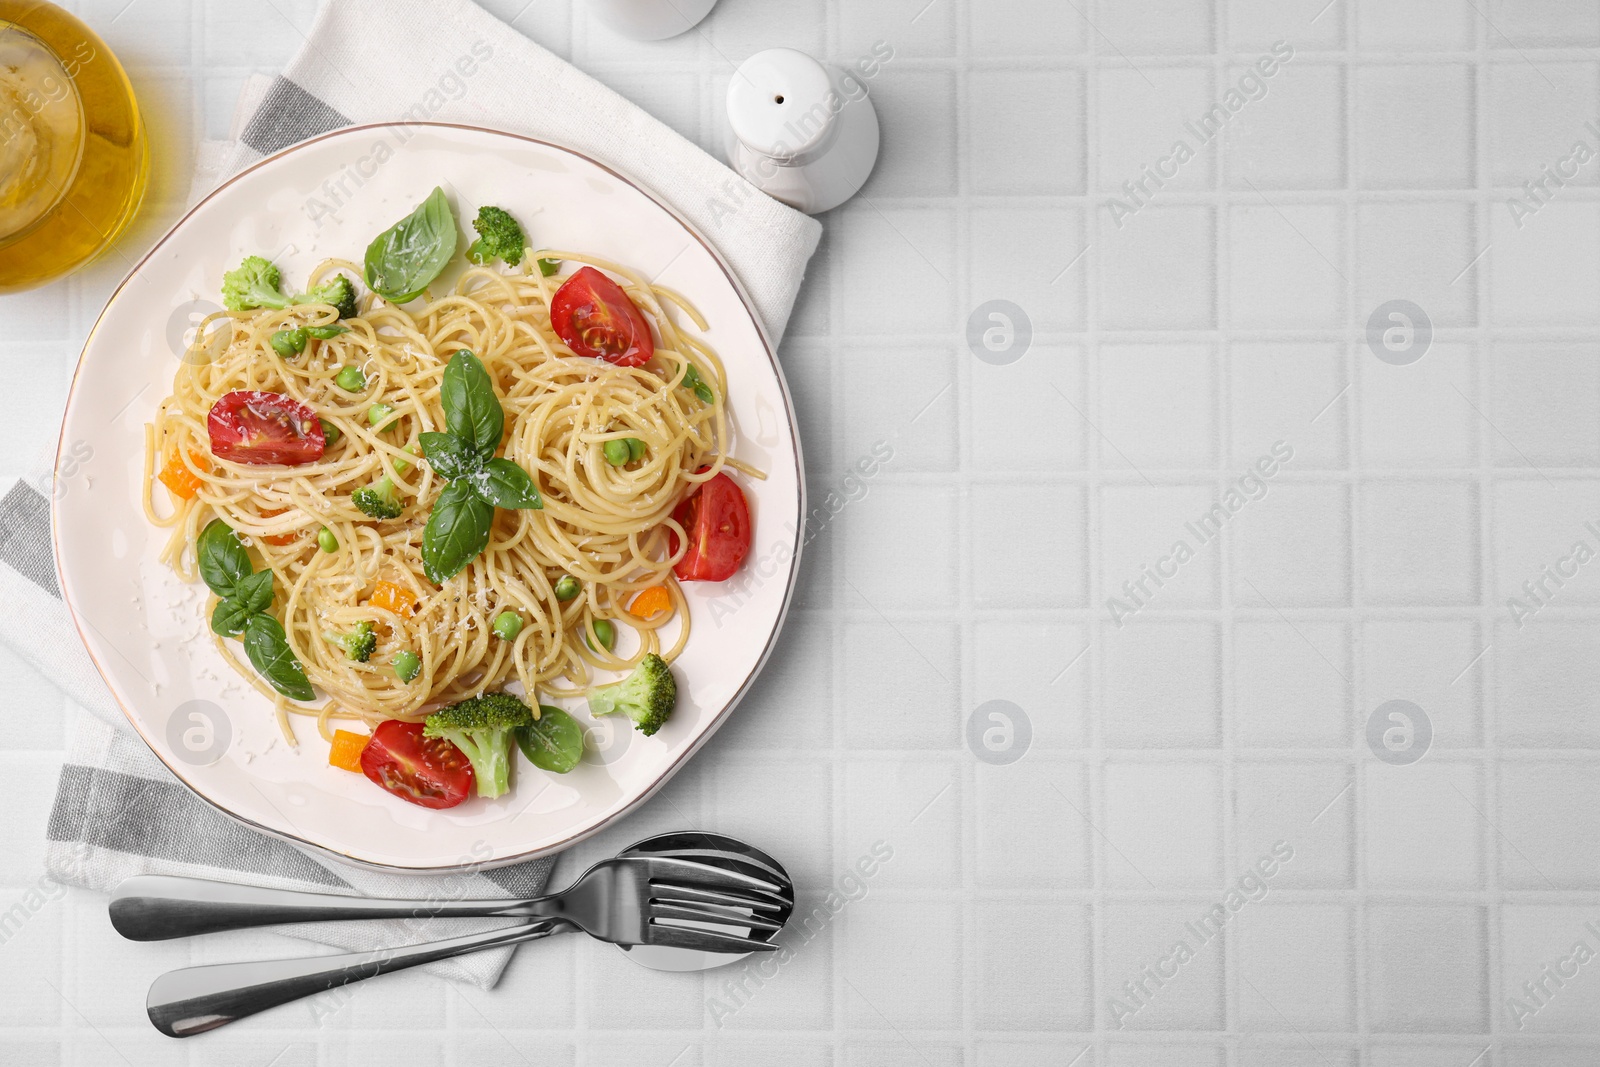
[634, 899]
[627, 900]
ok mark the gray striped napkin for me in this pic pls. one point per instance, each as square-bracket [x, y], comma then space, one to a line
[118, 812]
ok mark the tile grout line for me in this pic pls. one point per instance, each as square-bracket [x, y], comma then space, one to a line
[966, 696]
[1222, 628]
[990, 63]
[1089, 730]
[1360, 704]
[908, 340]
[1214, 754]
[1489, 867]
[1351, 357]
[1189, 478]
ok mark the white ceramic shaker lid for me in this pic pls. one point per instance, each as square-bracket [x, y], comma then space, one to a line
[802, 132]
[773, 103]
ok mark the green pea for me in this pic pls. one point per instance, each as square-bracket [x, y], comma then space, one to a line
[605, 632]
[331, 433]
[635, 449]
[507, 625]
[350, 379]
[400, 465]
[616, 452]
[326, 541]
[377, 413]
[406, 665]
[289, 343]
[567, 588]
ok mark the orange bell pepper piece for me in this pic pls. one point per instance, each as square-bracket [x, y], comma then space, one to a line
[395, 598]
[651, 602]
[346, 751]
[180, 481]
[279, 539]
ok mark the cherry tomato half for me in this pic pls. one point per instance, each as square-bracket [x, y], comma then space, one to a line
[247, 426]
[429, 771]
[592, 314]
[717, 520]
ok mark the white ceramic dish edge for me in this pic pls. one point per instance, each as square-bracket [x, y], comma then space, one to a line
[681, 758]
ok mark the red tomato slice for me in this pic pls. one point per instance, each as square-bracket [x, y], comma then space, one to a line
[717, 520]
[254, 427]
[429, 771]
[592, 314]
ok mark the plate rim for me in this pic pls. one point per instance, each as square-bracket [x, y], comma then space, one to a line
[716, 722]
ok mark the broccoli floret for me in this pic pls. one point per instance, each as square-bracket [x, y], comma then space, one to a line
[499, 237]
[254, 284]
[360, 643]
[338, 291]
[646, 696]
[482, 728]
[380, 500]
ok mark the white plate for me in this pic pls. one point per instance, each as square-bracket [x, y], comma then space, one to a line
[144, 629]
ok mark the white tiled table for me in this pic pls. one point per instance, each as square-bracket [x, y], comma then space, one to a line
[1166, 755]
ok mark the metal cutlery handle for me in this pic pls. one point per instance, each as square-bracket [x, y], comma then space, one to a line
[192, 1000]
[159, 907]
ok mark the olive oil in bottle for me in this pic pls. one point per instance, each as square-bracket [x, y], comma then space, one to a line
[73, 160]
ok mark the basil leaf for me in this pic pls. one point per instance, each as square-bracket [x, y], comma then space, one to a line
[505, 485]
[471, 410]
[553, 741]
[230, 615]
[697, 385]
[405, 258]
[457, 530]
[448, 457]
[251, 596]
[255, 592]
[221, 557]
[268, 648]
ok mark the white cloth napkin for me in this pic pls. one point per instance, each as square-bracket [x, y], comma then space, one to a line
[451, 61]
[118, 812]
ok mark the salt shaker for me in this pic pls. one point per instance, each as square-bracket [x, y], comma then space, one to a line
[651, 20]
[802, 132]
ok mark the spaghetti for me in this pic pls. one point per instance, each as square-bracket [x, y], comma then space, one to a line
[608, 526]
